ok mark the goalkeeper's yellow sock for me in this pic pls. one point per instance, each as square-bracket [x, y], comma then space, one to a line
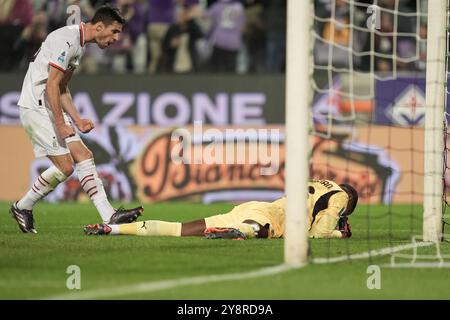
[151, 228]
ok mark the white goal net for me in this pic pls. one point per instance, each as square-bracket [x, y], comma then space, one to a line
[377, 97]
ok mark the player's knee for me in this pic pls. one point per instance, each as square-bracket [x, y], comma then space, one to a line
[82, 155]
[67, 169]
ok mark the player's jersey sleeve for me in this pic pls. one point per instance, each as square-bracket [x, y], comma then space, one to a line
[325, 221]
[61, 54]
[337, 204]
[326, 201]
[325, 227]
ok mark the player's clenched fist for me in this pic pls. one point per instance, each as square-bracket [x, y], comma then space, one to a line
[85, 125]
[65, 131]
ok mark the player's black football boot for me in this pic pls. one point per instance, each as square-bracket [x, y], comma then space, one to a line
[125, 215]
[24, 219]
[224, 233]
[97, 229]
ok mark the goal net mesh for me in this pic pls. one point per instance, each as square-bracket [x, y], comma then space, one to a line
[368, 113]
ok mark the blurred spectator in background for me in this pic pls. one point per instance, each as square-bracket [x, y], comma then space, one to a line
[15, 17]
[384, 44]
[137, 28]
[422, 62]
[56, 13]
[338, 29]
[403, 15]
[161, 16]
[405, 45]
[407, 28]
[275, 21]
[338, 35]
[120, 51]
[130, 52]
[94, 57]
[179, 43]
[32, 37]
[255, 35]
[192, 8]
[227, 19]
[239, 40]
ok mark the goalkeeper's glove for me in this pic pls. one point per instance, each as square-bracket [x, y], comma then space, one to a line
[344, 227]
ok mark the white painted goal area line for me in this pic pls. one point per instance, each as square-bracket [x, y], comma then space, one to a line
[373, 253]
[146, 287]
[417, 265]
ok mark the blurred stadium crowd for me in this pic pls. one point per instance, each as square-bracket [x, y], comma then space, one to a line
[398, 40]
[161, 36]
[232, 36]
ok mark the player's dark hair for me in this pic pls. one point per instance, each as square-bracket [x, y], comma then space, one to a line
[354, 197]
[107, 15]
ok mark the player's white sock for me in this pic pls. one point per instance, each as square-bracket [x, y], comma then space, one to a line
[114, 229]
[93, 186]
[45, 183]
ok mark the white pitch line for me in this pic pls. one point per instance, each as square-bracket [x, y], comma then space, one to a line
[173, 283]
[417, 265]
[373, 253]
[168, 284]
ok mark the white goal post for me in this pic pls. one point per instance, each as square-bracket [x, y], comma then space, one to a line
[434, 119]
[298, 99]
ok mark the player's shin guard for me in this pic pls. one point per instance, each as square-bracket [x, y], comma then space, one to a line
[45, 183]
[151, 228]
[93, 186]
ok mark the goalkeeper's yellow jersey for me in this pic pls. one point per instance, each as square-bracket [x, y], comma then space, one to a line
[326, 200]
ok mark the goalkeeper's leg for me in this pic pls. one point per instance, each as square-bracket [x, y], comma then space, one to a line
[177, 229]
[165, 228]
[150, 228]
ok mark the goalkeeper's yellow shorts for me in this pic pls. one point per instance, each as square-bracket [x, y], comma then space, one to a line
[253, 210]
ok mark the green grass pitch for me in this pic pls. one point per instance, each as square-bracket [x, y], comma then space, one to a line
[34, 266]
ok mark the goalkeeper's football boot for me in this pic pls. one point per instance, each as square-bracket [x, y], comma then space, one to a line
[126, 215]
[24, 219]
[98, 229]
[224, 233]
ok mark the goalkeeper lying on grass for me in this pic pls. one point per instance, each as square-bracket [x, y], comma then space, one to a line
[329, 205]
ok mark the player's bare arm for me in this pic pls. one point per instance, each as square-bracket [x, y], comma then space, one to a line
[53, 93]
[84, 125]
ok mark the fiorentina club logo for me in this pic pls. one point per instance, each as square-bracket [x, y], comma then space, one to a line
[409, 108]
